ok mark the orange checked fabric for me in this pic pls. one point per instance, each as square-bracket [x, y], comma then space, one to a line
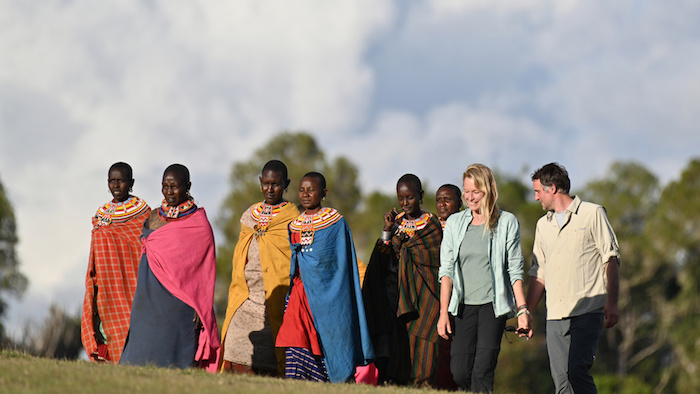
[115, 251]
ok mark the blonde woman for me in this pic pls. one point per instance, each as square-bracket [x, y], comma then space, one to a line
[481, 274]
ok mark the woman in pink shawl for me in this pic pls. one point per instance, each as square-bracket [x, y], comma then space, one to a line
[172, 317]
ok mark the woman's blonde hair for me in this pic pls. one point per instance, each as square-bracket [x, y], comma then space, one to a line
[485, 181]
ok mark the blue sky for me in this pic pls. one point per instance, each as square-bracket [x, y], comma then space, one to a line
[424, 86]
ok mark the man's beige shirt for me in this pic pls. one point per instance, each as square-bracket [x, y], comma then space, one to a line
[572, 259]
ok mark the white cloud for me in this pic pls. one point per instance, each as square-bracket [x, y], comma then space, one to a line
[439, 146]
[603, 81]
[83, 85]
[425, 87]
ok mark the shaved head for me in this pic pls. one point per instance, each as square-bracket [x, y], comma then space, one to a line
[180, 172]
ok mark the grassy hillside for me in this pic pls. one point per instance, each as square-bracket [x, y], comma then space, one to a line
[20, 373]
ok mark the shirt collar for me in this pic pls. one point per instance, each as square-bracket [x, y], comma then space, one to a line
[572, 209]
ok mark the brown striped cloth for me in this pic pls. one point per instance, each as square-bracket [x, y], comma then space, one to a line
[419, 296]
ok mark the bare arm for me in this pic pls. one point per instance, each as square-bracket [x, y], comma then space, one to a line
[612, 272]
[523, 319]
[444, 328]
[154, 220]
[519, 292]
[534, 294]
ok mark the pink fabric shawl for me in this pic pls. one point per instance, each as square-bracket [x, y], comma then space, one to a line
[182, 256]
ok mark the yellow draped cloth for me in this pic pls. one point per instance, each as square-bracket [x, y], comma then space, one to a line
[275, 257]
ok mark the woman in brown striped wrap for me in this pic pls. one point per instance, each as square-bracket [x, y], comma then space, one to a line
[402, 290]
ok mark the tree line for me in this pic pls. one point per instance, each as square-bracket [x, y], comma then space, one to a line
[655, 347]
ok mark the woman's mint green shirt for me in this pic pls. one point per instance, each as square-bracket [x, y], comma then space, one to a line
[505, 256]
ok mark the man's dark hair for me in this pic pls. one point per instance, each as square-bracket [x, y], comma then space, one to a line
[553, 174]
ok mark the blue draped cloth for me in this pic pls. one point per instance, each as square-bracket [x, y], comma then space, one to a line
[328, 269]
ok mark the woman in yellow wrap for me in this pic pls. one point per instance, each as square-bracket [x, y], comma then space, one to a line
[260, 280]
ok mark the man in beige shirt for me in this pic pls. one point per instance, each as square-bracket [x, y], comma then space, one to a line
[576, 261]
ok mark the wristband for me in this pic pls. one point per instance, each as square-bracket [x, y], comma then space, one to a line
[523, 312]
[523, 306]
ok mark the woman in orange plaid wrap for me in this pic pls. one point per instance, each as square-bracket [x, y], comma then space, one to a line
[115, 250]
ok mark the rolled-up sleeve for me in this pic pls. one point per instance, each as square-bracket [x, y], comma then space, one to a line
[605, 239]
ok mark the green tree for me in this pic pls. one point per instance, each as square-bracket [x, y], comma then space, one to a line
[630, 194]
[519, 199]
[369, 221]
[12, 281]
[300, 153]
[57, 337]
[674, 233]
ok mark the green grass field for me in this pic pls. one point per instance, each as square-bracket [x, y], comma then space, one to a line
[21, 373]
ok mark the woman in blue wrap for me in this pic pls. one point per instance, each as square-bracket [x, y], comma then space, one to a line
[324, 327]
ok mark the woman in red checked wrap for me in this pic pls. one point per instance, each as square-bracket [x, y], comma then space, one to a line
[115, 249]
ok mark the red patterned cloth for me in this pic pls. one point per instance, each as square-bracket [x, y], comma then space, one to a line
[115, 251]
[298, 326]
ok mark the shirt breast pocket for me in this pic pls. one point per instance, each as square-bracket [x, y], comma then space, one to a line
[580, 241]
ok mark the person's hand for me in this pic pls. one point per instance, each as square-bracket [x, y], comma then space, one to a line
[524, 328]
[611, 314]
[444, 328]
[389, 219]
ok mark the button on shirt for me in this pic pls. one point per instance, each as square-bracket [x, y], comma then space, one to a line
[571, 259]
